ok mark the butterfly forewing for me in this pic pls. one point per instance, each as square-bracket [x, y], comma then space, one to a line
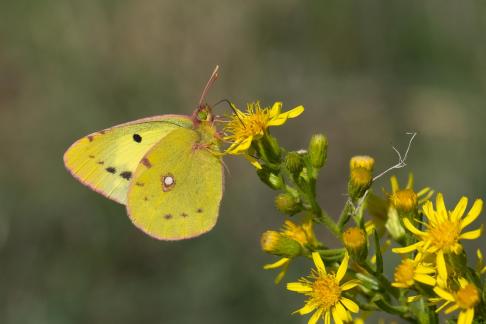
[105, 161]
[177, 188]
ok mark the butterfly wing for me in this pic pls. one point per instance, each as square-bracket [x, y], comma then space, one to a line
[105, 161]
[175, 194]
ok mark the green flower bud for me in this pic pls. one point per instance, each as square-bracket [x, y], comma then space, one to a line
[268, 148]
[318, 150]
[359, 181]
[394, 226]
[276, 243]
[287, 204]
[294, 162]
[271, 179]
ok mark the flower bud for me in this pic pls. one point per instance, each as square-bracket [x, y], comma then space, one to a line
[318, 150]
[354, 239]
[362, 161]
[275, 243]
[404, 200]
[359, 181]
[271, 179]
[394, 225]
[287, 204]
[294, 162]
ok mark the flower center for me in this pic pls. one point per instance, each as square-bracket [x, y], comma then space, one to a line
[445, 234]
[252, 123]
[467, 297]
[326, 291]
[404, 272]
[405, 200]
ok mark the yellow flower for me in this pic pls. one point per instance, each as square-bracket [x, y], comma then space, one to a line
[302, 234]
[245, 127]
[410, 271]
[325, 293]
[443, 230]
[465, 298]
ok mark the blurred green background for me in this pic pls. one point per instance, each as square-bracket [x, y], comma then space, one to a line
[366, 71]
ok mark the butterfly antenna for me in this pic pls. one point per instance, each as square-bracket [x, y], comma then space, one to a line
[232, 106]
[211, 81]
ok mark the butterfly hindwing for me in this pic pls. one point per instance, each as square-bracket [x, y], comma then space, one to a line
[105, 161]
[177, 188]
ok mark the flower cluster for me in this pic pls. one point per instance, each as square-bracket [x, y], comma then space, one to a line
[435, 275]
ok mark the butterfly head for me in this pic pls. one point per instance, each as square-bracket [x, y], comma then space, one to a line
[203, 114]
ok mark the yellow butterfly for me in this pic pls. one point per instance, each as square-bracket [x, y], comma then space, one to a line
[163, 168]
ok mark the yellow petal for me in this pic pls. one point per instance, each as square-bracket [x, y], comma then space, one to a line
[440, 205]
[349, 285]
[444, 294]
[408, 224]
[473, 213]
[408, 249]
[394, 184]
[451, 309]
[327, 318]
[342, 311]
[425, 279]
[306, 309]
[441, 265]
[277, 264]
[276, 109]
[412, 299]
[318, 262]
[459, 210]
[315, 317]
[239, 147]
[349, 304]
[472, 235]
[298, 287]
[469, 315]
[281, 274]
[336, 316]
[253, 161]
[282, 118]
[342, 268]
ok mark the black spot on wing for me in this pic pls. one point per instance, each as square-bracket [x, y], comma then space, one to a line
[199, 210]
[184, 215]
[127, 175]
[101, 162]
[110, 169]
[168, 216]
[137, 138]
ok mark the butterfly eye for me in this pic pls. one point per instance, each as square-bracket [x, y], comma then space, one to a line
[202, 115]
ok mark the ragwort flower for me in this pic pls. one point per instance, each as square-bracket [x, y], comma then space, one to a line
[300, 234]
[409, 271]
[245, 127]
[325, 293]
[465, 298]
[443, 230]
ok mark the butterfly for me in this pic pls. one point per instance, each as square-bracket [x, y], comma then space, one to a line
[166, 170]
